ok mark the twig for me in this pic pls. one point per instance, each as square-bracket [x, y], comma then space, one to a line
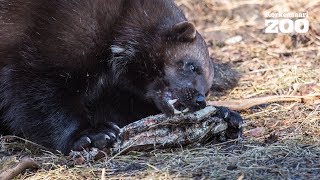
[304, 49]
[25, 140]
[248, 103]
[26, 163]
[103, 174]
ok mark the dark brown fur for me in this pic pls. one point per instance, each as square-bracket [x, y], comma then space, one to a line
[72, 69]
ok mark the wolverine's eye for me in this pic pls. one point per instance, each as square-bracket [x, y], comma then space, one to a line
[192, 67]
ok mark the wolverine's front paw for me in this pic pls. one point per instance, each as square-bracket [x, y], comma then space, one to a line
[234, 121]
[101, 138]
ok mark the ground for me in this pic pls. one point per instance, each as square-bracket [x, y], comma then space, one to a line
[281, 140]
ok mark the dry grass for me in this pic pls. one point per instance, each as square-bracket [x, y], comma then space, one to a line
[282, 140]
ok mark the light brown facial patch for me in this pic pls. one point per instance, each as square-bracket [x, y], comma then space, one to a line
[195, 51]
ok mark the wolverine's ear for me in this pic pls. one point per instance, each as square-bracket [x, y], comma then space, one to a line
[183, 31]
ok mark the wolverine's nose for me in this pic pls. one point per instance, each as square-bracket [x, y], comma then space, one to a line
[201, 101]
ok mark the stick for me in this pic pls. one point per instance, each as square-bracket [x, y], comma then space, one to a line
[160, 131]
[24, 164]
[103, 174]
[243, 104]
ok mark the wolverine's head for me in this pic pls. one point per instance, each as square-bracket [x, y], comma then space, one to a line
[187, 71]
[161, 57]
[170, 67]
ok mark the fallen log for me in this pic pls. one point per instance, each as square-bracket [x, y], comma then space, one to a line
[162, 132]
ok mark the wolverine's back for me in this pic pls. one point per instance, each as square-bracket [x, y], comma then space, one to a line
[66, 31]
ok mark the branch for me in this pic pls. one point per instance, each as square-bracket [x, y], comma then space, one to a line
[161, 132]
[23, 165]
[248, 103]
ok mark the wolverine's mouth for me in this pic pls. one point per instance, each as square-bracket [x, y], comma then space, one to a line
[177, 101]
[177, 107]
[184, 100]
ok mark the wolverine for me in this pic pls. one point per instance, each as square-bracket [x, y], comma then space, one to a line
[73, 71]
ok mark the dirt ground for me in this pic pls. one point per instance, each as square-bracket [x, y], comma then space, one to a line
[281, 140]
